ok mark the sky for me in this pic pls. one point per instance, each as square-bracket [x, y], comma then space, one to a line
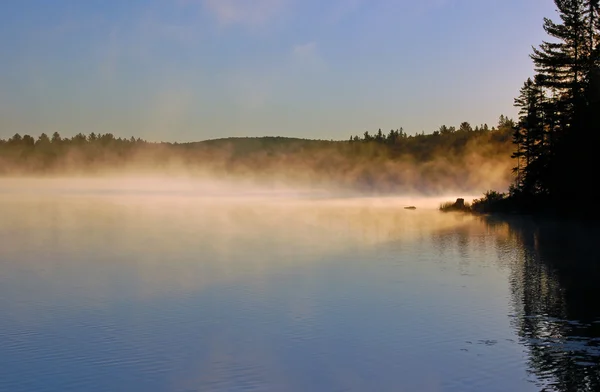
[188, 70]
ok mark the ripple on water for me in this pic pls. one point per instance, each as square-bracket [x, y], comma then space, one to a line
[178, 296]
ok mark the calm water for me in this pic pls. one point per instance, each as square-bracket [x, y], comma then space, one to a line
[125, 290]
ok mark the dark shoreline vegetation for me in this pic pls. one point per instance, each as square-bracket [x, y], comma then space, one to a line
[558, 130]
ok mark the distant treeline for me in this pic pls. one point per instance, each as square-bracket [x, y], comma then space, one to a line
[398, 135]
[21, 155]
[448, 159]
[446, 138]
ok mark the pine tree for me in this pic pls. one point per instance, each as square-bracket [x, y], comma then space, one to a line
[529, 138]
[561, 64]
[559, 125]
[592, 10]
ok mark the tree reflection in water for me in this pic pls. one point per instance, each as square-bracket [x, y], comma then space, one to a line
[556, 292]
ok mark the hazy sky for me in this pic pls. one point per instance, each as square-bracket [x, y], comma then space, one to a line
[182, 70]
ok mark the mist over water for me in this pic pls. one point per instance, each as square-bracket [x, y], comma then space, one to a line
[465, 161]
[165, 284]
[173, 188]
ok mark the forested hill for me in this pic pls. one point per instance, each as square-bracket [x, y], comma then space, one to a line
[254, 145]
[449, 159]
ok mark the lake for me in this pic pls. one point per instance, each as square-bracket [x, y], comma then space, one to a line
[184, 288]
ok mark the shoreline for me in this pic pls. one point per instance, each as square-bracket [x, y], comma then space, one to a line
[538, 216]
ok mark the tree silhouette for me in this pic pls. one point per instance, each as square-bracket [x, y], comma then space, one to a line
[558, 130]
[529, 139]
[465, 127]
[43, 139]
[56, 139]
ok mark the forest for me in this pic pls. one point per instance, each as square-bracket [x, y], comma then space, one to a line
[558, 129]
[448, 159]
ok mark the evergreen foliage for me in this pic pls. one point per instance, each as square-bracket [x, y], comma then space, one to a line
[558, 129]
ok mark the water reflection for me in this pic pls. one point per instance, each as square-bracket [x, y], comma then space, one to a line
[555, 271]
[179, 293]
[190, 292]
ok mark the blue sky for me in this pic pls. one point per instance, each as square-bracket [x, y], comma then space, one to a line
[183, 70]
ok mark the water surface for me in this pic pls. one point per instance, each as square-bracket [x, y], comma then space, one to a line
[188, 290]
